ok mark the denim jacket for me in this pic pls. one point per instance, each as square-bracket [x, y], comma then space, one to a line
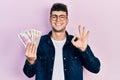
[73, 60]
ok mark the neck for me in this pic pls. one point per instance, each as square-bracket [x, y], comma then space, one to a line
[58, 35]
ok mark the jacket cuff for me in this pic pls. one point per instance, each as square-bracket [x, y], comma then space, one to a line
[30, 65]
[88, 53]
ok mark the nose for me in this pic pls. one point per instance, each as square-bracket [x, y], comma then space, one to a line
[58, 18]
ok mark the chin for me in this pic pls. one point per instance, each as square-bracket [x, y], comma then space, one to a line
[58, 29]
[61, 30]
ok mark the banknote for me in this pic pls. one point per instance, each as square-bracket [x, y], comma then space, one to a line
[24, 38]
[31, 35]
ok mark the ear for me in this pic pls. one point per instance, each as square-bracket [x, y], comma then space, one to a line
[49, 20]
[67, 20]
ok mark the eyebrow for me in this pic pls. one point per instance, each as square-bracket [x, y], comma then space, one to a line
[58, 15]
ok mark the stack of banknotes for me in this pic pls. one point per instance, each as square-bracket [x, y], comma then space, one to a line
[31, 35]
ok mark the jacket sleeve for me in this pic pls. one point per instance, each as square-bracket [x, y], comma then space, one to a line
[29, 69]
[90, 62]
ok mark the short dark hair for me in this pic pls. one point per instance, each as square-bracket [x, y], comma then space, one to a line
[59, 7]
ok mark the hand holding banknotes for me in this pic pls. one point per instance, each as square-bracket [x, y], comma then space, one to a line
[30, 39]
[31, 52]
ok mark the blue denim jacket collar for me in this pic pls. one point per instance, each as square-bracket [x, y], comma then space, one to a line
[67, 37]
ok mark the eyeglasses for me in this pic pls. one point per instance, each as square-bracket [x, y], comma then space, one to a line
[55, 17]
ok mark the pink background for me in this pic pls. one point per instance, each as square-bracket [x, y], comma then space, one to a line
[101, 17]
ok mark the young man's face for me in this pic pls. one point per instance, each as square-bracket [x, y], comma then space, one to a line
[58, 20]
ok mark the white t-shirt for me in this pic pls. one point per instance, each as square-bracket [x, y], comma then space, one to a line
[58, 70]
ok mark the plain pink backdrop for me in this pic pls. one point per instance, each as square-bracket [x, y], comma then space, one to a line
[101, 17]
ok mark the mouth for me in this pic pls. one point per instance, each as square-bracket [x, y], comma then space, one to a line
[58, 24]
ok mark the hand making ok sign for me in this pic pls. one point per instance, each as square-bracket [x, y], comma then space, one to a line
[80, 40]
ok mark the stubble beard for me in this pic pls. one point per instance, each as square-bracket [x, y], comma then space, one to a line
[61, 30]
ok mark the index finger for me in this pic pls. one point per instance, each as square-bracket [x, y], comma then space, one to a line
[81, 30]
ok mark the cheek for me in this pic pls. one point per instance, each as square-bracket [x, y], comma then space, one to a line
[66, 22]
[51, 22]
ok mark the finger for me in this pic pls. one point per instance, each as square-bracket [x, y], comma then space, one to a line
[83, 32]
[32, 47]
[27, 49]
[87, 34]
[80, 30]
[31, 50]
[74, 38]
[34, 50]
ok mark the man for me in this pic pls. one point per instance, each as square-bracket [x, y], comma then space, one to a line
[60, 56]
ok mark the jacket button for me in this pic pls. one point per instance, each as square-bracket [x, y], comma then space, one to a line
[40, 57]
[87, 52]
[65, 69]
[64, 58]
[51, 69]
[75, 57]
[52, 58]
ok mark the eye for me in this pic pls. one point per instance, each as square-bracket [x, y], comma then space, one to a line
[62, 16]
[53, 16]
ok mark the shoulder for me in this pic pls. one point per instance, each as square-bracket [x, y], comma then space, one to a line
[69, 36]
[43, 38]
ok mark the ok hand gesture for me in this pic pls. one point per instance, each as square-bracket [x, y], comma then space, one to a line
[80, 41]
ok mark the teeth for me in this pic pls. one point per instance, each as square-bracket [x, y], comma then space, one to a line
[58, 24]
